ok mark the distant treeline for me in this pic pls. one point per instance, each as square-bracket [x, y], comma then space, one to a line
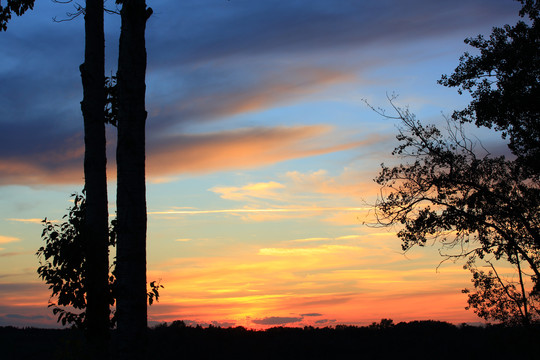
[384, 340]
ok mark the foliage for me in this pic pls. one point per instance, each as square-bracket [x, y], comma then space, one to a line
[17, 7]
[479, 207]
[504, 82]
[476, 206]
[63, 266]
[501, 300]
[111, 103]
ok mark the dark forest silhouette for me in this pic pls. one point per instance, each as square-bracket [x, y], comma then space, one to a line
[405, 340]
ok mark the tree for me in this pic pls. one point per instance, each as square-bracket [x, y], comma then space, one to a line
[96, 239]
[131, 186]
[504, 82]
[502, 300]
[64, 267]
[17, 7]
[481, 207]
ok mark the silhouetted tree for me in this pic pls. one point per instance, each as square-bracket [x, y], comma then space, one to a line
[64, 267]
[131, 187]
[504, 82]
[482, 207]
[96, 233]
[486, 207]
[17, 7]
[502, 300]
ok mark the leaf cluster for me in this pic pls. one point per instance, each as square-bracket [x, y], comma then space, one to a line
[495, 299]
[504, 82]
[17, 7]
[63, 266]
[111, 101]
[452, 191]
[472, 204]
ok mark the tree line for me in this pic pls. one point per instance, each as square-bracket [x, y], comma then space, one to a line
[381, 340]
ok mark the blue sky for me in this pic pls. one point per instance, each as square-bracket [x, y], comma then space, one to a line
[260, 153]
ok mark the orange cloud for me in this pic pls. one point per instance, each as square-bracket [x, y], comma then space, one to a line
[32, 172]
[264, 190]
[237, 149]
[32, 221]
[267, 92]
[256, 291]
[352, 278]
[317, 192]
[351, 183]
[8, 239]
[308, 251]
[300, 83]
[186, 153]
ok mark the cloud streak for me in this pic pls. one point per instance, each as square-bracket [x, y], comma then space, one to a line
[239, 149]
[245, 148]
[8, 239]
[277, 320]
[240, 211]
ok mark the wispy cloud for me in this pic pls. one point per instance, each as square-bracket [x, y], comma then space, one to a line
[8, 239]
[261, 190]
[277, 320]
[247, 210]
[319, 239]
[246, 148]
[171, 155]
[308, 251]
[31, 220]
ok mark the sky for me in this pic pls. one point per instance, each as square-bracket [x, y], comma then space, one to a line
[261, 154]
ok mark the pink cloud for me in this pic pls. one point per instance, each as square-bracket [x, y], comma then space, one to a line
[238, 149]
[186, 153]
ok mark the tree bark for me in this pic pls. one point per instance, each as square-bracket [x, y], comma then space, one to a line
[95, 163]
[131, 188]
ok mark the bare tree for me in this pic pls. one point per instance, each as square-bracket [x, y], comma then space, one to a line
[96, 237]
[131, 187]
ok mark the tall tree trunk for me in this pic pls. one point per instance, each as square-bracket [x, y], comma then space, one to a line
[95, 162]
[131, 190]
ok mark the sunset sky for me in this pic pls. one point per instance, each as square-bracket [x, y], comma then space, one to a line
[261, 154]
